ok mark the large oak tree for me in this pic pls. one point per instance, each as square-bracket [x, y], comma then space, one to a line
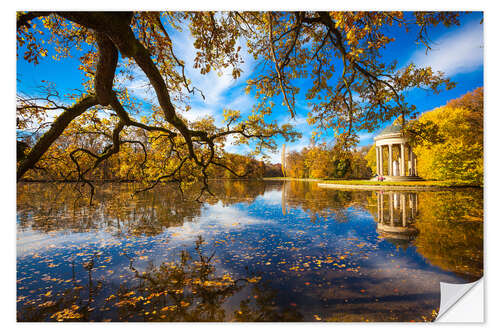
[351, 86]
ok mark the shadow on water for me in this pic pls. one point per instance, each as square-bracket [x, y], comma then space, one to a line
[258, 251]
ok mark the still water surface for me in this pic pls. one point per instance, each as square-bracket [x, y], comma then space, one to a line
[259, 251]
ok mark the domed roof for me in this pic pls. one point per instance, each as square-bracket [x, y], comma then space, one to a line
[394, 128]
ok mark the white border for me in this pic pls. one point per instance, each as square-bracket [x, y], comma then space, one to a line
[7, 133]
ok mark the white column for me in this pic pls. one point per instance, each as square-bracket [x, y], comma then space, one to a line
[390, 159]
[379, 171]
[381, 160]
[403, 160]
[411, 170]
[415, 164]
[378, 158]
[409, 161]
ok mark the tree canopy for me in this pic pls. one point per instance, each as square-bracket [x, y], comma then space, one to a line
[101, 122]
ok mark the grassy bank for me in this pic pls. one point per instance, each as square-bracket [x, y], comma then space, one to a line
[296, 179]
[423, 183]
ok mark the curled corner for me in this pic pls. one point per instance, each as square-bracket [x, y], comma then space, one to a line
[457, 306]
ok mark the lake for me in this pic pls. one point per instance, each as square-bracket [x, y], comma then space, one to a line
[257, 251]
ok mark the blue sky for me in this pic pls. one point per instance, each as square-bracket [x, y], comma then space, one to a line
[457, 51]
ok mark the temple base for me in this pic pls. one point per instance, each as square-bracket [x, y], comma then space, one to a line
[396, 231]
[399, 178]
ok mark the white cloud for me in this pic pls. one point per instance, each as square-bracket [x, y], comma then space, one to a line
[219, 88]
[271, 197]
[365, 138]
[298, 121]
[139, 87]
[31, 241]
[275, 157]
[197, 114]
[298, 145]
[216, 218]
[233, 148]
[213, 85]
[457, 52]
[243, 103]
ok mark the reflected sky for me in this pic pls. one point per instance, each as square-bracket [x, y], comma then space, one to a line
[269, 251]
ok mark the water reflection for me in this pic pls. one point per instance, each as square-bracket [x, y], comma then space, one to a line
[187, 289]
[272, 251]
[396, 216]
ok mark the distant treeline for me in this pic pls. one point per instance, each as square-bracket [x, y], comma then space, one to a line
[124, 167]
[327, 161]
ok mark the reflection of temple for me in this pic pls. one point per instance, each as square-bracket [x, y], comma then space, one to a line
[396, 214]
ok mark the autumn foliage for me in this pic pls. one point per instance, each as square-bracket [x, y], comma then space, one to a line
[100, 130]
[448, 140]
[326, 161]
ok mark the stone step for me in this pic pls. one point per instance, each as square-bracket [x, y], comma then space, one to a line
[400, 178]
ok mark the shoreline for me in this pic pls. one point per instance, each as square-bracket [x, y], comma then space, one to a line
[324, 183]
[388, 187]
[415, 186]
